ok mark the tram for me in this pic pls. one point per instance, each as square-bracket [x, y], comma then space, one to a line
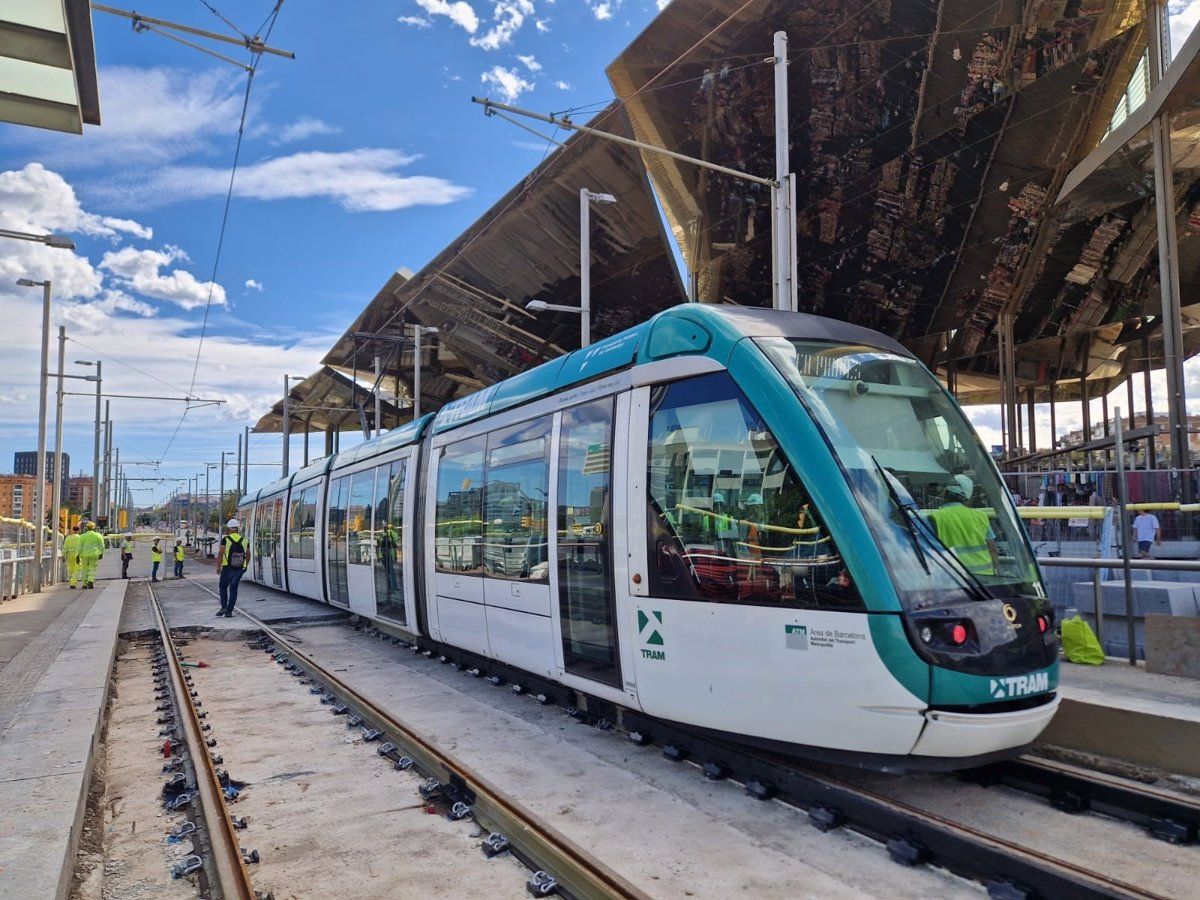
[725, 518]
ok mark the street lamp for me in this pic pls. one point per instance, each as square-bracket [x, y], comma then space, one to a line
[417, 331]
[40, 508]
[58, 241]
[584, 310]
[96, 450]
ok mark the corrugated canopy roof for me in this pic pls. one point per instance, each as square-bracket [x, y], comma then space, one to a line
[327, 399]
[526, 247]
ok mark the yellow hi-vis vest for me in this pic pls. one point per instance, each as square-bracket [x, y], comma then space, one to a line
[179, 553]
[91, 543]
[156, 554]
[965, 531]
[71, 546]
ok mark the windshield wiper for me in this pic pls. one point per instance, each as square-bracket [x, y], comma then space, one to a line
[906, 514]
[909, 514]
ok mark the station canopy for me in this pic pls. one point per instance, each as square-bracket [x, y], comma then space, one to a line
[931, 142]
[526, 247]
[330, 401]
[48, 65]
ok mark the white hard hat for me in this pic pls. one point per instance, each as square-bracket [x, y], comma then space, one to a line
[233, 523]
[962, 485]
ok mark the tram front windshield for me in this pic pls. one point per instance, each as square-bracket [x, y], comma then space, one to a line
[939, 512]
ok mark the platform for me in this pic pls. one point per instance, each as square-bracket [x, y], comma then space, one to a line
[56, 654]
[1123, 711]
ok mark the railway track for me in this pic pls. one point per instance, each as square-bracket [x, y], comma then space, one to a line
[558, 865]
[225, 874]
[911, 835]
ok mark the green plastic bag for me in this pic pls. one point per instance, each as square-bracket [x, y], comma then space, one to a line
[1079, 643]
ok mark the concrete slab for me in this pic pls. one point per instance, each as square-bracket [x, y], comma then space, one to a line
[1173, 646]
[186, 605]
[1127, 713]
[47, 750]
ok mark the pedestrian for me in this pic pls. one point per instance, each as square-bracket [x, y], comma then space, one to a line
[155, 559]
[126, 554]
[178, 559]
[71, 555]
[91, 551]
[232, 559]
[1146, 530]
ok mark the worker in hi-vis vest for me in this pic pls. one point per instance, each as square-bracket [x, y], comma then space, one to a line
[966, 531]
[70, 551]
[178, 559]
[155, 559]
[232, 559]
[91, 551]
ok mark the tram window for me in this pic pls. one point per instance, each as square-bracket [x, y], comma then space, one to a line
[515, 495]
[302, 523]
[585, 594]
[458, 522]
[389, 541]
[729, 520]
[335, 525]
[358, 518]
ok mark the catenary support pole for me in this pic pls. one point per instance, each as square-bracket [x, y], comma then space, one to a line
[238, 479]
[221, 504]
[585, 268]
[245, 489]
[39, 521]
[782, 192]
[56, 499]
[96, 444]
[1125, 538]
[378, 429]
[286, 422]
[417, 329]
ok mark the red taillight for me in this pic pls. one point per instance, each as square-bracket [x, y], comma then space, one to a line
[958, 634]
[1043, 624]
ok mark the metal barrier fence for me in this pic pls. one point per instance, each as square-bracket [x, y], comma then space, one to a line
[1160, 491]
[1098, 569]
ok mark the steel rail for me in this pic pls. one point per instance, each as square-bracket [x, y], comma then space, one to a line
[906, 830]
[232, 878]
[1168, 815]
[578, 873]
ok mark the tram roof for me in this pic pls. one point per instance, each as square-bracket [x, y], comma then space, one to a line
[691, 329]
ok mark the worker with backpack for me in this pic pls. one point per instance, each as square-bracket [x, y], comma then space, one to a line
[232, 560]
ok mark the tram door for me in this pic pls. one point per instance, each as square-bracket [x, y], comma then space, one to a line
[586, 604]
[360, 542]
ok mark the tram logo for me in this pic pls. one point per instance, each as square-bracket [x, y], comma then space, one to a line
[1020, 685]
[796, 636]
[648, 629]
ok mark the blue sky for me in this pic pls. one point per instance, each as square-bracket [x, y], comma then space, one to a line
[361, 156]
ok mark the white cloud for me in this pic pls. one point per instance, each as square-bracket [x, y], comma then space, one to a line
[507, 82]
[414, 21]
[602, 11]
[141, 272]
[151, 115]
[304, 127]
[254, 285]
[542, 25]
[662, 4]
[460, 13]
[35, 194]
[357, 180]
[530, 62]
[1183, 16]
[562, 85]
[509, 16]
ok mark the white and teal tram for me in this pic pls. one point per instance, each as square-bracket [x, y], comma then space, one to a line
[723, 518]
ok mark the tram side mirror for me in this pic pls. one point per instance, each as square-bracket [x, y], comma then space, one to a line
[860, 388]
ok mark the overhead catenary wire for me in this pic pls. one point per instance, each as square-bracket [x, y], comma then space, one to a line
[256, 59]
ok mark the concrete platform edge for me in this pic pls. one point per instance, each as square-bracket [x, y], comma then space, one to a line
[1134, 736]
[68, 869]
